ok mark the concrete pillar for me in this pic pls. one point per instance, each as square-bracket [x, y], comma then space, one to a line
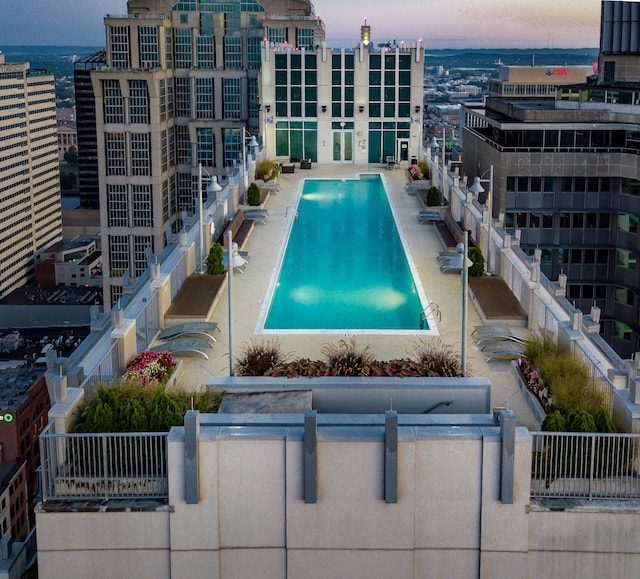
[191, 470]
[126, 338]
[163, 285]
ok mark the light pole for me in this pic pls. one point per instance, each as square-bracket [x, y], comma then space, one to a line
[477, 189]
[462, 261]
[229, 296]
[212, 187]
[435, 145]
[246, 136]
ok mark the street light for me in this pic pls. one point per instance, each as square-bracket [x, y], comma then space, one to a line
[435, 145]
[212, 187]
[477, 189]
[252, 143]
[462, 261]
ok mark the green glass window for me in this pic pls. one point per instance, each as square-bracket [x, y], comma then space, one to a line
[336, 61]
[390, 61]
[404, 93]
[296, 61]
[375, 62]
[348, 93]
[296, 109]
[348, 61]
[348, 109]
[389, 109]
[296, 77]
[374, 110]
[404, 78]
[281, 62]
[281, 78]
[404, 110]
[336, 77]
[311, 93]
[375, 78]
[374, 93]
[405, 62]
[311, 77]
[310, 110]
[310, 61]
[390, 77]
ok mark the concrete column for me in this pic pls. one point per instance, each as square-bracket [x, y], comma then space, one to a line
[126, 337]
[163, 285]
[191, 471]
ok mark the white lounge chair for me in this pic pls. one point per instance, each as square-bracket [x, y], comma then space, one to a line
[205, 329]
[184, 346]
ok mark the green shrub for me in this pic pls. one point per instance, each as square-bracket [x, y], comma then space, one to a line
[604, 422]
[433, 197]
[258, 358]
[425, 169]
[554, 422]
[164, 413]
[580, 421]
[253, 195]
[477, 266]
[214, 260]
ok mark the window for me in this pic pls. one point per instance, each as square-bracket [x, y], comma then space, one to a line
[138, 102]
[628, 223]
[233, 52]
[231, 98]
[164, 150]
[277, 35]
[119, 46]
[623, 296]
[204, 52]
[140, 244]
[149, 46]
[184, 146]
[305, 37]
[205, 147]
[113, 102]
[142, 205]
[204, 98]
[183, 97]
[185, 193]
[183, 48]
[625, 259]
[117, 205]
[140, 154]
[162, 88]
[115, 146]
[118, 254]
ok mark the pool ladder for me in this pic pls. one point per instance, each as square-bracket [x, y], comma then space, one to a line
[293, 209]
[434, 309]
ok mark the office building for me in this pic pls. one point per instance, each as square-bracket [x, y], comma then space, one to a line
[536, 81]
[87, 144]
[29, 173]
[343, 106]
[567, 177]
[179, 89]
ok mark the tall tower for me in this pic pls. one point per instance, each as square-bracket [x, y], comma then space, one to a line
[29, 172]
[180, 88]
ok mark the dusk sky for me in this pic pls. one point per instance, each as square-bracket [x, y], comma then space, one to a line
[440, 23]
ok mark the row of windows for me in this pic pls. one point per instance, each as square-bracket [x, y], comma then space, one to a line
[565, 220]
[562, 184]
[528, 89]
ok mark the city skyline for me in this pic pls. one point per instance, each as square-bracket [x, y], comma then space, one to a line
[440, 24]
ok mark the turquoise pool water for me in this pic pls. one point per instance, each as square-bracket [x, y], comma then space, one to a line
[344, 267]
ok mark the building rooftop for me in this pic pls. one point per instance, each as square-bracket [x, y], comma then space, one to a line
[14, 385]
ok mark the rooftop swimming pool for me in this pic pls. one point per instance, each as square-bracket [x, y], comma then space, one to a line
[343, 267]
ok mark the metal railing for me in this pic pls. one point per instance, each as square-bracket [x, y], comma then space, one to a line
[103, 466]
[572, 465]
[108, 369]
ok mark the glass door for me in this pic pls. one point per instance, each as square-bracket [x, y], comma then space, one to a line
[343, 146]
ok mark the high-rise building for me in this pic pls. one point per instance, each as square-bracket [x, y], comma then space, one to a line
[179, 89]
[86, 127]
[29, 173]
[567, 176]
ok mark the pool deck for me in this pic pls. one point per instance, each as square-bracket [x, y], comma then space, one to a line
[423, 242]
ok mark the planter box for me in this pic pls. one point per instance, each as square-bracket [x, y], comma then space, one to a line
[532, 401]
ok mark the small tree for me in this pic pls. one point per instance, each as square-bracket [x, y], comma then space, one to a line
[214, 260]
[580, 421]
[477, 267]
[433, 197]
[253, 195]
[554, 422]
[71, 156]
[165, 413]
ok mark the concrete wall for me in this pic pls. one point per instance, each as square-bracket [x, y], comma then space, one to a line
[251, 519]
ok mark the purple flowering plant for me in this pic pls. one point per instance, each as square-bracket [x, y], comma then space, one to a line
[536, 385]
[150, 368]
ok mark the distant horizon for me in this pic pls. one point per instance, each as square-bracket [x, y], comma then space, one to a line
[337, 43]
